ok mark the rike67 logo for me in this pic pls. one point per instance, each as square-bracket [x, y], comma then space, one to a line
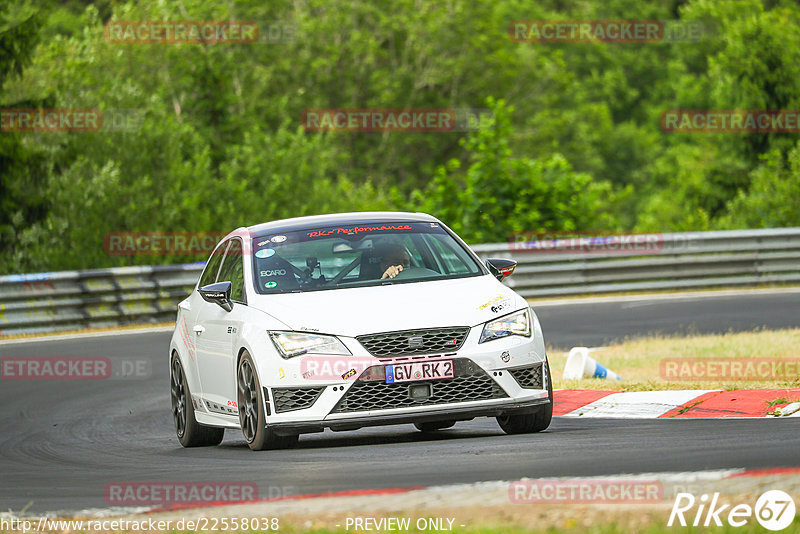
[774, 510]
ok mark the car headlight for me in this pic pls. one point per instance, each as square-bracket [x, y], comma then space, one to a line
[514, 324]
[291, 344]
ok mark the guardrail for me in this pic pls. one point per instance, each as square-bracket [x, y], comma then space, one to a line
[672, 261]
[48, 302]
[68, 300]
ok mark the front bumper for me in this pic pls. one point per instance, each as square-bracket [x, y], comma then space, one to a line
[438, 413]
[489, 382]
[373, 403]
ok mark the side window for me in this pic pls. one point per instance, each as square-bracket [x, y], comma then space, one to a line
[411, 247]
[454, 262]
[233, 270]
[209, 275]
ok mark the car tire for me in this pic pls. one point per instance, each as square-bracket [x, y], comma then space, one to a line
[252, 417]
[433, 426]
[530, 422]
[190, 433]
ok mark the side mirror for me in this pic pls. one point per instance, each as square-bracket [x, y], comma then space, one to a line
[501, 268]
[219, 293]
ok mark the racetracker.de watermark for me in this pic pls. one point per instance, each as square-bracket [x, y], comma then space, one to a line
[598, 242]
[69, 120]
[138, 523]
[729, 369]
[730, 121]
[335, 367]
[606, 31]
[161, 243]
[73, 368]
[176, 493]
[209, 32]
[585, 491]
[396, 120]
[181, 32]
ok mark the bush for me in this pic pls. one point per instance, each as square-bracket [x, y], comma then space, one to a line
[499, 195]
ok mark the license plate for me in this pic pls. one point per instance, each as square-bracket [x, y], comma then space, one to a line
[408, 372]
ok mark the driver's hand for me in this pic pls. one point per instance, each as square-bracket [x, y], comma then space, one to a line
[392, 271]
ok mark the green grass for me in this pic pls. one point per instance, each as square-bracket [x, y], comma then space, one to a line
[638, 361]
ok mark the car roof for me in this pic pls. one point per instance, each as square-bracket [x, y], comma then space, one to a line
[316, 221]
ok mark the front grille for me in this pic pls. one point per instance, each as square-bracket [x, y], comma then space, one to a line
[529, 377]
[471, 383]
[289, 399]
[410, 342]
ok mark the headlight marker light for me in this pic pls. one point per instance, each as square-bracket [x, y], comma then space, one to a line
[292, 344]
[513, 324]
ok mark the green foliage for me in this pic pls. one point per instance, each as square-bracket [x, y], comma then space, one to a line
[750, 61]
[773, 197]
[218, 141]
[499, 195]
[22, 167]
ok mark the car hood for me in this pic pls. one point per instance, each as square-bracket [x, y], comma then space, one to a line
[356, 311]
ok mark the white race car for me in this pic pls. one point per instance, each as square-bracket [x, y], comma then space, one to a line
[352, 320]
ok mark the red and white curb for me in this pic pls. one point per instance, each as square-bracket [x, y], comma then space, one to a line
[678, 404]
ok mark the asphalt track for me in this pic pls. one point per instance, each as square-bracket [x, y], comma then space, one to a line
[598, 323]
[62, 442]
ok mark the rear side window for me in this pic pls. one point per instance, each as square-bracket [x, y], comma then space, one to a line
[209, 275]
[233, 270]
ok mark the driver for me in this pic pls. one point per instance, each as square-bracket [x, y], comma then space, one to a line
[395, 259]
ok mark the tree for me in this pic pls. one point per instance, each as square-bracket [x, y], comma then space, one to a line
[773, 197]
[22, 169]
[500, 195]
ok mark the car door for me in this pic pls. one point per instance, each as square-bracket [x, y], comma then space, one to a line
[216, 331]
[189, 309]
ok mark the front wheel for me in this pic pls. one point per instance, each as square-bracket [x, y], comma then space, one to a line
[251, 411]
[530, 422]
[190, 433]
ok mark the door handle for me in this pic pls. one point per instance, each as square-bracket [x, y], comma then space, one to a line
[199, 329]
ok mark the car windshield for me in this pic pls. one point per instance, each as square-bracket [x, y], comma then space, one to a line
[356, 256]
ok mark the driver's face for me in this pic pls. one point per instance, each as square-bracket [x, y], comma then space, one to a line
[398, 257]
